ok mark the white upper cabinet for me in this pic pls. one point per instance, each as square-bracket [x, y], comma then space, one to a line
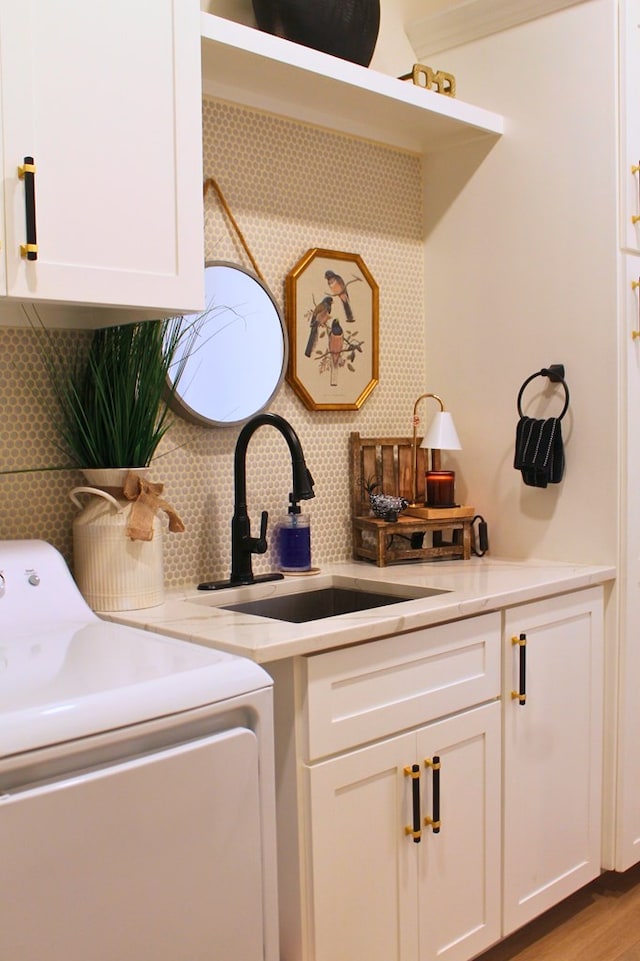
[242, 65]
[629, 14]
[106, 99]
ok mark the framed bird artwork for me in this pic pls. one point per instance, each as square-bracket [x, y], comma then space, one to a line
[331, 309]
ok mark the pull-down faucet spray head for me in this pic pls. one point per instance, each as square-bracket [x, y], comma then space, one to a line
[302, 481]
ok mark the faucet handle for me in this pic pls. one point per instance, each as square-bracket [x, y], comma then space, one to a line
[260, 543]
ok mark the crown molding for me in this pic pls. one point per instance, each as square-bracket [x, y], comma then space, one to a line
[472, 19]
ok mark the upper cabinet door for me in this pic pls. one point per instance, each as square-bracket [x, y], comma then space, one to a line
[629, 26]
[106, 99]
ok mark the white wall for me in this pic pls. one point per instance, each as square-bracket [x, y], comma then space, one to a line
[521, 273]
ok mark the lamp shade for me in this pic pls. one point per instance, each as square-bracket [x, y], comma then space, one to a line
[442, 434]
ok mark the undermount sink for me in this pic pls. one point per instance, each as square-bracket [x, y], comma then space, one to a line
[314, 605]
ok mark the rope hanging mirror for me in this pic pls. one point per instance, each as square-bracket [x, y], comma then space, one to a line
[239, 358]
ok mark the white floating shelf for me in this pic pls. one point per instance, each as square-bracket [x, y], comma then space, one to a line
[245, 66]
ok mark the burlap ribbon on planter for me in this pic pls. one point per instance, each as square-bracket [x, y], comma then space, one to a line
[146, 502]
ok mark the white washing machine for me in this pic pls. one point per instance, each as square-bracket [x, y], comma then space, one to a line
[137, 810]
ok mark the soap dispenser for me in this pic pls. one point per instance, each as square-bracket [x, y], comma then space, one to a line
[294, 540]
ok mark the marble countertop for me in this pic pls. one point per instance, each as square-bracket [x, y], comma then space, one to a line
[472, 587]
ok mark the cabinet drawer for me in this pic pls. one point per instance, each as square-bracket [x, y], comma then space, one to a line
[362, 693]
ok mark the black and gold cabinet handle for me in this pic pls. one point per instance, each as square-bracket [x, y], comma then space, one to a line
[521, 694]
[27, 172]
[635, 286]
[434, 821]
[414, 829]
[635, 170]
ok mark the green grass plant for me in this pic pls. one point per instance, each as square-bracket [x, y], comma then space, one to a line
[113, 397]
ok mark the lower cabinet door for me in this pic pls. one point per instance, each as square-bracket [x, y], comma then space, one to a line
[459, 876]
[552, 752]
[377, 891]
[363, 867]
[624, 844]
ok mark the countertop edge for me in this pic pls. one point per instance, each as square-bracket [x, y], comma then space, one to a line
[472, 587]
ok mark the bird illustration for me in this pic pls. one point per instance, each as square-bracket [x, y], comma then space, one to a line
[338, 287]
[320, 316]
[336, 343]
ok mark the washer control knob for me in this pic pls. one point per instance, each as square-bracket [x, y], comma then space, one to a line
[34, 579]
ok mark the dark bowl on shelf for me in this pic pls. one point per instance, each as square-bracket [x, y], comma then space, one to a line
[343, 28]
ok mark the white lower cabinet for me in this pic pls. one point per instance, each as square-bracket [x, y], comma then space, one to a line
[351, 724]
[376, 892]
[376, 741]
[552, 752]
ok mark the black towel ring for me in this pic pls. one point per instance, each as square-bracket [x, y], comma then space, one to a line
[555, 373]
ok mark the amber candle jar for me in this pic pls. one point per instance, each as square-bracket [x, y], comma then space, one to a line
[439, 488]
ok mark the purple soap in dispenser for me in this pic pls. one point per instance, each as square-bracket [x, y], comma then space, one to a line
[294, 541]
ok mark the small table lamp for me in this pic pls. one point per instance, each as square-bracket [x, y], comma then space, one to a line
[442, 435]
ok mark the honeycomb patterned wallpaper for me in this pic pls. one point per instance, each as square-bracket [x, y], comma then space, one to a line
[290, 187]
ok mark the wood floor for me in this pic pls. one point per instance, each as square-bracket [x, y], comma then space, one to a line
[599, 923]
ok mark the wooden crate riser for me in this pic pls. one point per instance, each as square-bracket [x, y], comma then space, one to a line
[387, 462]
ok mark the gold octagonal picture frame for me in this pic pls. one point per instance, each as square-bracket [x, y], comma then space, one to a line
[331, 309]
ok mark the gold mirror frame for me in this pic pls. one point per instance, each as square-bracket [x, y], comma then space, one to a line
[332, 314]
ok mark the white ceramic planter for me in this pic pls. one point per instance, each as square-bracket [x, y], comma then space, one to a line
[113, 572]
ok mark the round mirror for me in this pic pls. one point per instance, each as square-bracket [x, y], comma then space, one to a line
[238, 354]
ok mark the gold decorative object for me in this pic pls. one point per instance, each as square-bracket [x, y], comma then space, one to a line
[438, 80]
